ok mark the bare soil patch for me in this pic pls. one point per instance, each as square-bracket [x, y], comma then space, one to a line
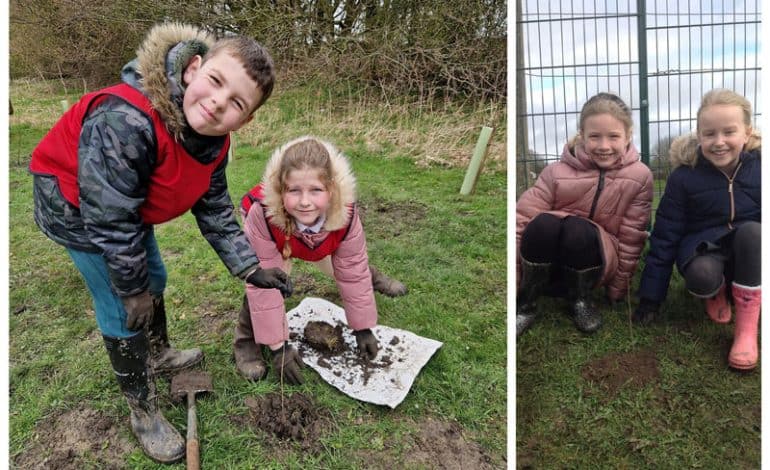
[389, 219]
[289, 419]
[305, 285]
[76, 439]
[433, 444]
[614, 371]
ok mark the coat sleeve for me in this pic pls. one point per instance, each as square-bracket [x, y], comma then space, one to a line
[116, 154]
[215, 215]
[353, 278]
[631, 237]
[268, 312]
[535, 200]
[667, 234]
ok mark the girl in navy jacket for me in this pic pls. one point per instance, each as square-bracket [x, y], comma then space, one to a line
[708, 222]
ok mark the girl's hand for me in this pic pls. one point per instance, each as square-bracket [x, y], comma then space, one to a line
[367, 343]
[287, 362]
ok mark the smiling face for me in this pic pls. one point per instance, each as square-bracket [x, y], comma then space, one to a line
[305, 196]
[605, 139]
[220, 96]
[722, 133]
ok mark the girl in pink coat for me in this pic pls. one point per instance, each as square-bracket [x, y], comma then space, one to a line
[305, 208]
[583, 224]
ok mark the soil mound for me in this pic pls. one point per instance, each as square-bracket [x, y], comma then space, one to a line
[294, 417]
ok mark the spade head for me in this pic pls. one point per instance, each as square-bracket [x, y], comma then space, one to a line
[190, 381]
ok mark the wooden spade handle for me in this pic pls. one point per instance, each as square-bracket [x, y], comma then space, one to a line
[193, 448]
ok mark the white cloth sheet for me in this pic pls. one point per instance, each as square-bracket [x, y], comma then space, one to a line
[388, 377]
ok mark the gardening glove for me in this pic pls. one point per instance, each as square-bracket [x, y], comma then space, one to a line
[271, 278]
[139, 310]
[645, 313]
[367, 343]
[287, 362]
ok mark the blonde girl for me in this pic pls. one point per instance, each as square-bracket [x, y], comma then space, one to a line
[583, 223]
[708, 223]
[305, 209]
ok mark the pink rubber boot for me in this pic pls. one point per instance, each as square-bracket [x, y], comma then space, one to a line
[717, 307]
[745, 351]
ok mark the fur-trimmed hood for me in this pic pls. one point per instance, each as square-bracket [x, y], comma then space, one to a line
[160, 62]
[684, 149]
[344, 194]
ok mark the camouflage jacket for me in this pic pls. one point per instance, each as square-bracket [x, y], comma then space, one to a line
[116, 155]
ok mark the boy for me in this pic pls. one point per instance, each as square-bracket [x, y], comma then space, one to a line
[140, 153]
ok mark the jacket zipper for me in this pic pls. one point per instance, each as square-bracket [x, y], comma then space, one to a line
[732, 195]
[599, 188]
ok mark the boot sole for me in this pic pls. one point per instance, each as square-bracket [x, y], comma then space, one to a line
[742, 367]
[168, 370]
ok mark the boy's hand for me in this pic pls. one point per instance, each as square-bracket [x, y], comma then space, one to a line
[272, 278]
[287, 361]
[367, 343]
[645, 313]
[139, 310]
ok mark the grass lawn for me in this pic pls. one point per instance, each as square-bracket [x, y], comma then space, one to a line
[660, 396]
[67, 410]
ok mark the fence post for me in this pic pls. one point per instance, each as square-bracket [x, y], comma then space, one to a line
[644, 102]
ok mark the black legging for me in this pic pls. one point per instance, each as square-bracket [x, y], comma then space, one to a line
[739, 261]
[570, 241]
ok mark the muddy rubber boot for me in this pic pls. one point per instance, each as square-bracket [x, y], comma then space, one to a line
[717, 307]
[386, 285]
[745, 351]
[534, 279]
[130, 361]
[163, 358]
[248, 357]
[580, 283]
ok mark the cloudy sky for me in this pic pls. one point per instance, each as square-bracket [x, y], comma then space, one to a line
[573, 49]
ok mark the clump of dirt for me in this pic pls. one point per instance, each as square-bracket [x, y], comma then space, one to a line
[294, 417]
[614, 371]
[78, 438]
[319, 337]
[324, 337]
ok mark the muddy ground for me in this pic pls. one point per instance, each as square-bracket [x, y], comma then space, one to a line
[86, 438]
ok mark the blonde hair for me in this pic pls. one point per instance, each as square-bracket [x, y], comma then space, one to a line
[725, 97]
[604, 103]
[303, 155]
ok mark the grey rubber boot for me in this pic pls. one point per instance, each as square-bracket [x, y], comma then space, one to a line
[130, 361]
[164, 358]
[580, 283]
[386, 285]
[248, 357]
[534, 279]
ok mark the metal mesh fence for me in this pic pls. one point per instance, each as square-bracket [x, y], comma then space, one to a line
[660, 57]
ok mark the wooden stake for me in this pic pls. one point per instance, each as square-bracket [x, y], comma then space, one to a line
[477, 161]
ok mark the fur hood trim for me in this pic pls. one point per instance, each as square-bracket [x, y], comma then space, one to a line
[151, 65]
[684, 149]
[339, 213]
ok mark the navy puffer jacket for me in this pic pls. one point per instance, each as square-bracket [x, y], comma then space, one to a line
[698, 206]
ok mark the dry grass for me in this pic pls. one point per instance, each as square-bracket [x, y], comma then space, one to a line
[442, 134]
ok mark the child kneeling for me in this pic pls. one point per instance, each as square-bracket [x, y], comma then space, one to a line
[305, 208]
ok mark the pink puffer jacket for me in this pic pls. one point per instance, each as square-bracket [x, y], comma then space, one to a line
[621, 213]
